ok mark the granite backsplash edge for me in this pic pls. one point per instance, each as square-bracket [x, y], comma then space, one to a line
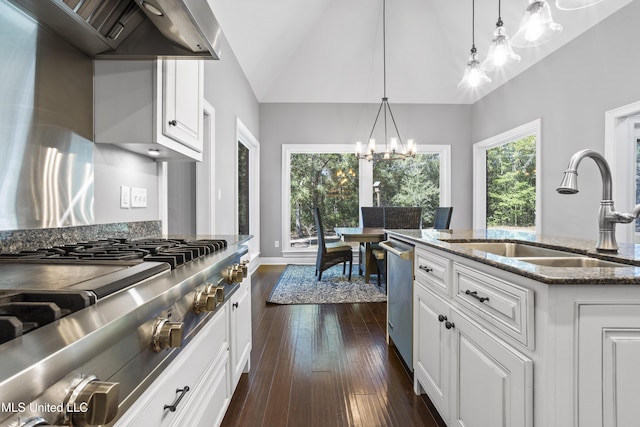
[27, 240]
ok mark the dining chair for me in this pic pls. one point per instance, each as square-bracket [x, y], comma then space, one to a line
[401, 217]
[370, 216]
[330, 254]
[442, 219]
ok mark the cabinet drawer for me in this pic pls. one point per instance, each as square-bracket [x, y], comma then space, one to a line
[503, 305]
[186, 370]
[433, 271]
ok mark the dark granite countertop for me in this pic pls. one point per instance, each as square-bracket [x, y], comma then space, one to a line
[446, 240]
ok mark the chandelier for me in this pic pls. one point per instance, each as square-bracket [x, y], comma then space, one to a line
[394, 148]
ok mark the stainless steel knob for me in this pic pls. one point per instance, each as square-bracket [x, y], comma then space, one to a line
[204, 301]
[93, 402]
[166, 335]
[34, 422]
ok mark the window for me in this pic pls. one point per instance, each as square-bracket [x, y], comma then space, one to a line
[331, 177]
[247, 187]
[326, 180]
[243, 189]
[622, 136]
[506, 186]
[412, 182]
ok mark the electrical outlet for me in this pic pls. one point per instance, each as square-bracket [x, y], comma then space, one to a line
[277, 243]
[138, 197]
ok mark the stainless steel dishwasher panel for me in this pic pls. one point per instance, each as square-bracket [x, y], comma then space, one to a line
[400, 297]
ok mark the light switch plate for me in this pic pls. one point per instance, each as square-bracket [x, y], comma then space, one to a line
[138, 197]
[125, 197]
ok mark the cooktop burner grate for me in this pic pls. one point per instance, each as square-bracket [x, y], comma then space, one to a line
[175, 252]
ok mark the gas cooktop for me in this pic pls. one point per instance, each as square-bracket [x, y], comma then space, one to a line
[41, 286]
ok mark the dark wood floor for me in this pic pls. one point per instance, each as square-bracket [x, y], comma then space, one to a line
[322, 365]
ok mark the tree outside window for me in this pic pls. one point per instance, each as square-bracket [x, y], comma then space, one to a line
[410, 182]
[331, 177]
[329, 181]
[511, 184]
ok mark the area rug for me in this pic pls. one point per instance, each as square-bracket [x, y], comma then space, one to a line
[298, 285]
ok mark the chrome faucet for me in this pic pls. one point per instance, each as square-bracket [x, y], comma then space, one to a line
[608, 217]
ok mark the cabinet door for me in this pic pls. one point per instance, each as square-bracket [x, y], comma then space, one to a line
[431, 347]
[182, 102]
[492, 383]
[240, 330]
[608, 370]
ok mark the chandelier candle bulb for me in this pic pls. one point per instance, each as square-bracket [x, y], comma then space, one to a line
[358, 148]
[372, 145]
[394, 144]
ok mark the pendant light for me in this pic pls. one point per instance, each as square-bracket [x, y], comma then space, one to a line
[500, 52]
[575, 4]
[394, 148]
[537, 26]
[474, 76]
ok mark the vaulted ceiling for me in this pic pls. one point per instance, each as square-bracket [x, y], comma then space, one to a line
[331, 50]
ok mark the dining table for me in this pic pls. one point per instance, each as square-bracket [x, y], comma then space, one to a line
[366, 235]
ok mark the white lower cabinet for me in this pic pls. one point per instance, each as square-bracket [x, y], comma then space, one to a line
[432, 348]
[241, 331]
[608, 368]
[472, 377]
[492, 382]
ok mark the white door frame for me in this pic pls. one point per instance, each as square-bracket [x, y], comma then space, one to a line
[205, 176]
[619, 131]
[246, 138]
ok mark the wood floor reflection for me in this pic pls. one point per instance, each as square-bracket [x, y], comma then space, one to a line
[322, 365]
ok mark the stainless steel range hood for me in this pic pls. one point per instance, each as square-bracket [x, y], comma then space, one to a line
[132, 29]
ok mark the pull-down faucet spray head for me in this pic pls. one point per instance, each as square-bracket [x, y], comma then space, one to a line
[569, 184]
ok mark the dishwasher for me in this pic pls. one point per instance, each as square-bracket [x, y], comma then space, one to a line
[400, 296]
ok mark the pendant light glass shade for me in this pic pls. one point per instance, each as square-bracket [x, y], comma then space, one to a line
[575, 4]
[474, 76]
[500, 51]
[537, 26]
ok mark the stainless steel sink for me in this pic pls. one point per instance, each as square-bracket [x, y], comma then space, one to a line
[514, 250]
[573, 261]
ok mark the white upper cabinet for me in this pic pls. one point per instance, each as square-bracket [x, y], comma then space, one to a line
[151, 105]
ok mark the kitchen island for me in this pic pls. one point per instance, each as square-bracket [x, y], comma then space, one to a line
[519, 329]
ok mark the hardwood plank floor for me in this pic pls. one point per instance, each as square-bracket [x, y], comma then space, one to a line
[323, 365]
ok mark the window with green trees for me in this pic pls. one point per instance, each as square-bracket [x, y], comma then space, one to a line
[332, 178]
[511, 184]
[329, 181]
[411, 182]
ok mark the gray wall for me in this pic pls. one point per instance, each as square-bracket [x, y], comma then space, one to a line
[114, 167]
[570, 91]
[318, 124]
[227, 89]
